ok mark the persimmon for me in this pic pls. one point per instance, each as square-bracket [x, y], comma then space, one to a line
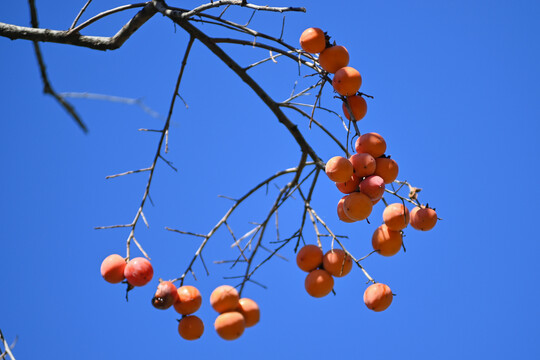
[138, 271]
[349, 186]
[363, 164]
[358, 107]
[166, 295]
[347, 81]
[373, 187]
[378, 297]
[387, 169]
[396, 216]
[339, 169]
[190, 327]
[188, 301]
[371, 143]
[341, 213]
[230, 325]
[224, 298]
[319, 283]
[250, 310]
[337, 263]
[313, 40]
[112, 268]
[334, 58]
[357, 206]
[309, 257]
[423, 218]
[387, 242]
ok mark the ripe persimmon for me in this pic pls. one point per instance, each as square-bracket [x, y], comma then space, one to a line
[189, 300]
[191, 327]
[387, 169]
[166, 295]
[396, 216]
[423, 218]
[224, 298]
[357, 206]
[371, 143]
[112, 268]
[387, 242]
[138, 271]
[358, 107]
[347, 81]
[230, 325]
[319, 283]
[341, 213]
[339, 169]
[378, 297]
[363, 164]
[373, 187]
[334, 58]
[250, 310]
[309, 257]
[349, 186]
[337, 263]
[313, 40]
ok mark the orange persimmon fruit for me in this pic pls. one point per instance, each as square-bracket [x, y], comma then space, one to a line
[378, 297]
[334, 58]
[358, 107]
[373, 187]
[387, 242]
[313, 40]
[112, 268]
[250, 310]
[166, 295]
[138, 271]
[357, 206]
[319, 283]
[349, 186]
[309, 258]
[396, 216]
[371, 143]
[387, 169]
[347, 81]
[339, 169]
[363, 164]
[337, 263]
[224, 298]
[423, 218]
[190, 327]
[189, 300]
[341, 213]
[230, 325]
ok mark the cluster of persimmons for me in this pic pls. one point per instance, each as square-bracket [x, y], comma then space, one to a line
[362, 177]
[235, 314]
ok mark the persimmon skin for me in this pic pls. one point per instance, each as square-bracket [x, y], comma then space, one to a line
[250, 311]
[371, 143]
[378, 297]
[347, 81]
[189, 300]
[309, 258]
[337, 263]
[387, 169]
[334, 58]
[339, 169]
[358, 107]
[387, 242]
[230, 325]
[349, 186]
[112, 268]
[363, 164]
[138, 271]
[166, 295]
[319, 283]
[373, 187]
[357, 206]
[313, 40]
[341, 213]
[224, 298]
[423, 219]
[396, 216]
[191, 327]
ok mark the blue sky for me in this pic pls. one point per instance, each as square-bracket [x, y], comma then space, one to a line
[456, 98]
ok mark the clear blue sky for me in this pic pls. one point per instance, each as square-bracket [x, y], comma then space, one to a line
[456, 97]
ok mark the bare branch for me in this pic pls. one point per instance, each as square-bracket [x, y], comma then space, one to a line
[80, 14]
[104, 14]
